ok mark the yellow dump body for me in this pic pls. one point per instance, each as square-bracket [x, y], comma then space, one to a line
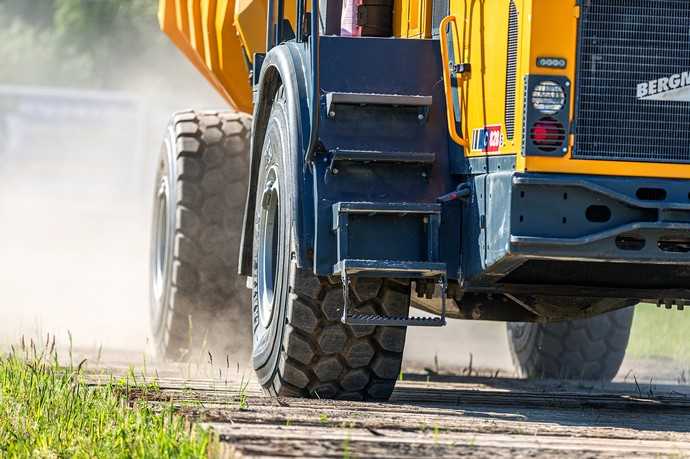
[204, 30]
[220, 37]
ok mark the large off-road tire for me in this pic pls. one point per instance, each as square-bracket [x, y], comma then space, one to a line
[197, 300]
[590, 349]
[301, 348]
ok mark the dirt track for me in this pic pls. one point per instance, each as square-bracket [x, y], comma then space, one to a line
[89, 276]
[445, 416]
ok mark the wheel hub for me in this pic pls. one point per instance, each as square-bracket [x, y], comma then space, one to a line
[269, 249]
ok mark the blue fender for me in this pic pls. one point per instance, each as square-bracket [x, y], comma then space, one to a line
[285, 65]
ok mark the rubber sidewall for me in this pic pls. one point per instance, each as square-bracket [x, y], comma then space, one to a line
[266, 339]
[159, 302]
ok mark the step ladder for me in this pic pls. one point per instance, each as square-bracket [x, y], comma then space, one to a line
[428, 268]
[421, 103]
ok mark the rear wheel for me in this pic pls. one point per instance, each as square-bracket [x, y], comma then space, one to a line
[197, 300]
[591, 349]
[300, 346]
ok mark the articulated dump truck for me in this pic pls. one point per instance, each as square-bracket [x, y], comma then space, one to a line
[524, 161]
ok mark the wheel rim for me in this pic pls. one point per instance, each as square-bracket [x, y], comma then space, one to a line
[269, 249]
[160, 243]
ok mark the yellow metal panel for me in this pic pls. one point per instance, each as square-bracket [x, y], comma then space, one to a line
[171, 24]
[483, 30]
[620, 168]
[400, 18]
[182, 17]
[547, 28]
[524, 8]
[449, 27]
[290, 10]
[193, 28]
[551, 30]
[412, 18]
[208, 25]
[420, 19]
[232, 71]
[250, 21]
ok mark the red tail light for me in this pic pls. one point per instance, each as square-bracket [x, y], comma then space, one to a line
[548, 134]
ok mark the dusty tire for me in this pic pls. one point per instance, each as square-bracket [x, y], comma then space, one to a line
[197, 300]
[301, 348]
[591, 349]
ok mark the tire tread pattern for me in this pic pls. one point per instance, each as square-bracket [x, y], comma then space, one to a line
[324, 358]
[588, 349]
[208, 298]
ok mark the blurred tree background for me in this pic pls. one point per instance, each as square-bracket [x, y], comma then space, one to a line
[79, 43]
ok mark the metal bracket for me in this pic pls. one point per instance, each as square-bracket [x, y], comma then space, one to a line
[404, 158]
[421, 103]
[267, 195]
[461, 193]
[463, 69]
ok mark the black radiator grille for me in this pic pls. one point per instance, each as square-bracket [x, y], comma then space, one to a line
[511, 69]
[623, 43]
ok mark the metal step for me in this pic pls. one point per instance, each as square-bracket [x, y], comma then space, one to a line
[364, 98]
[352, 254]
[386, 321]
[333, 99]
[427, 268]
[403, 208]
[390, 268]
[372, 156]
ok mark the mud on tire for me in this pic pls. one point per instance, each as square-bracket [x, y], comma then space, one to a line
[591, 349]
[198, 302]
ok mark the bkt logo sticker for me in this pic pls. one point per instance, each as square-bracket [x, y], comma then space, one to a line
[675, 87]
[488, 139]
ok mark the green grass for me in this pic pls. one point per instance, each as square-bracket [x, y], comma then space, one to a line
[660, 333]
[47, 410]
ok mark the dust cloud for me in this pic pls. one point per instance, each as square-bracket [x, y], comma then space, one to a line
[76, 181]
[76, 184]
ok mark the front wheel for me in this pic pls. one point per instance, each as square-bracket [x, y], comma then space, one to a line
[591, 349]
[300, 346]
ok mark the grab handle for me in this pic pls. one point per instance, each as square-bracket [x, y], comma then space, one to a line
[450, 70]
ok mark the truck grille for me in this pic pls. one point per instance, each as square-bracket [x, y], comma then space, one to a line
[511, 69]
[621, 45]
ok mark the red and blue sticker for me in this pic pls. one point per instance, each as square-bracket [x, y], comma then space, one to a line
[488, 139]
